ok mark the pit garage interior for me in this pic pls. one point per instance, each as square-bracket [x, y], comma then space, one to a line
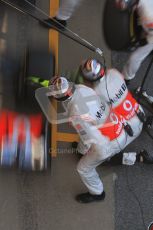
[45, 200]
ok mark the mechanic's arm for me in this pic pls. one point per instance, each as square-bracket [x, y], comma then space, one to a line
[89, 132]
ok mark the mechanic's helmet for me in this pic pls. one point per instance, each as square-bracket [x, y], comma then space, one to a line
[61, 88]
[92, 70]
[125, 4]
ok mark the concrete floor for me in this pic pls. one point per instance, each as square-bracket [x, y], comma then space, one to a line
[134, 188]
[92, 32]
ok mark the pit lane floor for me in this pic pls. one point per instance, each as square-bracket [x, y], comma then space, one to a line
[44, 201]
[134, 185]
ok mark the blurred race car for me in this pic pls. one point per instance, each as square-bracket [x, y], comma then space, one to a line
[25, 134]
[24, 141]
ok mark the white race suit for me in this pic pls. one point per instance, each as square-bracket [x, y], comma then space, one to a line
[112, 88]
[145, 13]
[100, 128]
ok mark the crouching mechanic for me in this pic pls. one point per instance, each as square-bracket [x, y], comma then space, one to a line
[111, 87]
[100, 128]
[145, 13]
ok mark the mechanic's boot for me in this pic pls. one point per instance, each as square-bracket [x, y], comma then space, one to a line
[60, 24]
[88, 198]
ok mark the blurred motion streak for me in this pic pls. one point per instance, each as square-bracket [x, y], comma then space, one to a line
[8, 122]
[21, 141]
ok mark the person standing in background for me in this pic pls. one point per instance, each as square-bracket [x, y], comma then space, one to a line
[64, 13]
[145, 14]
